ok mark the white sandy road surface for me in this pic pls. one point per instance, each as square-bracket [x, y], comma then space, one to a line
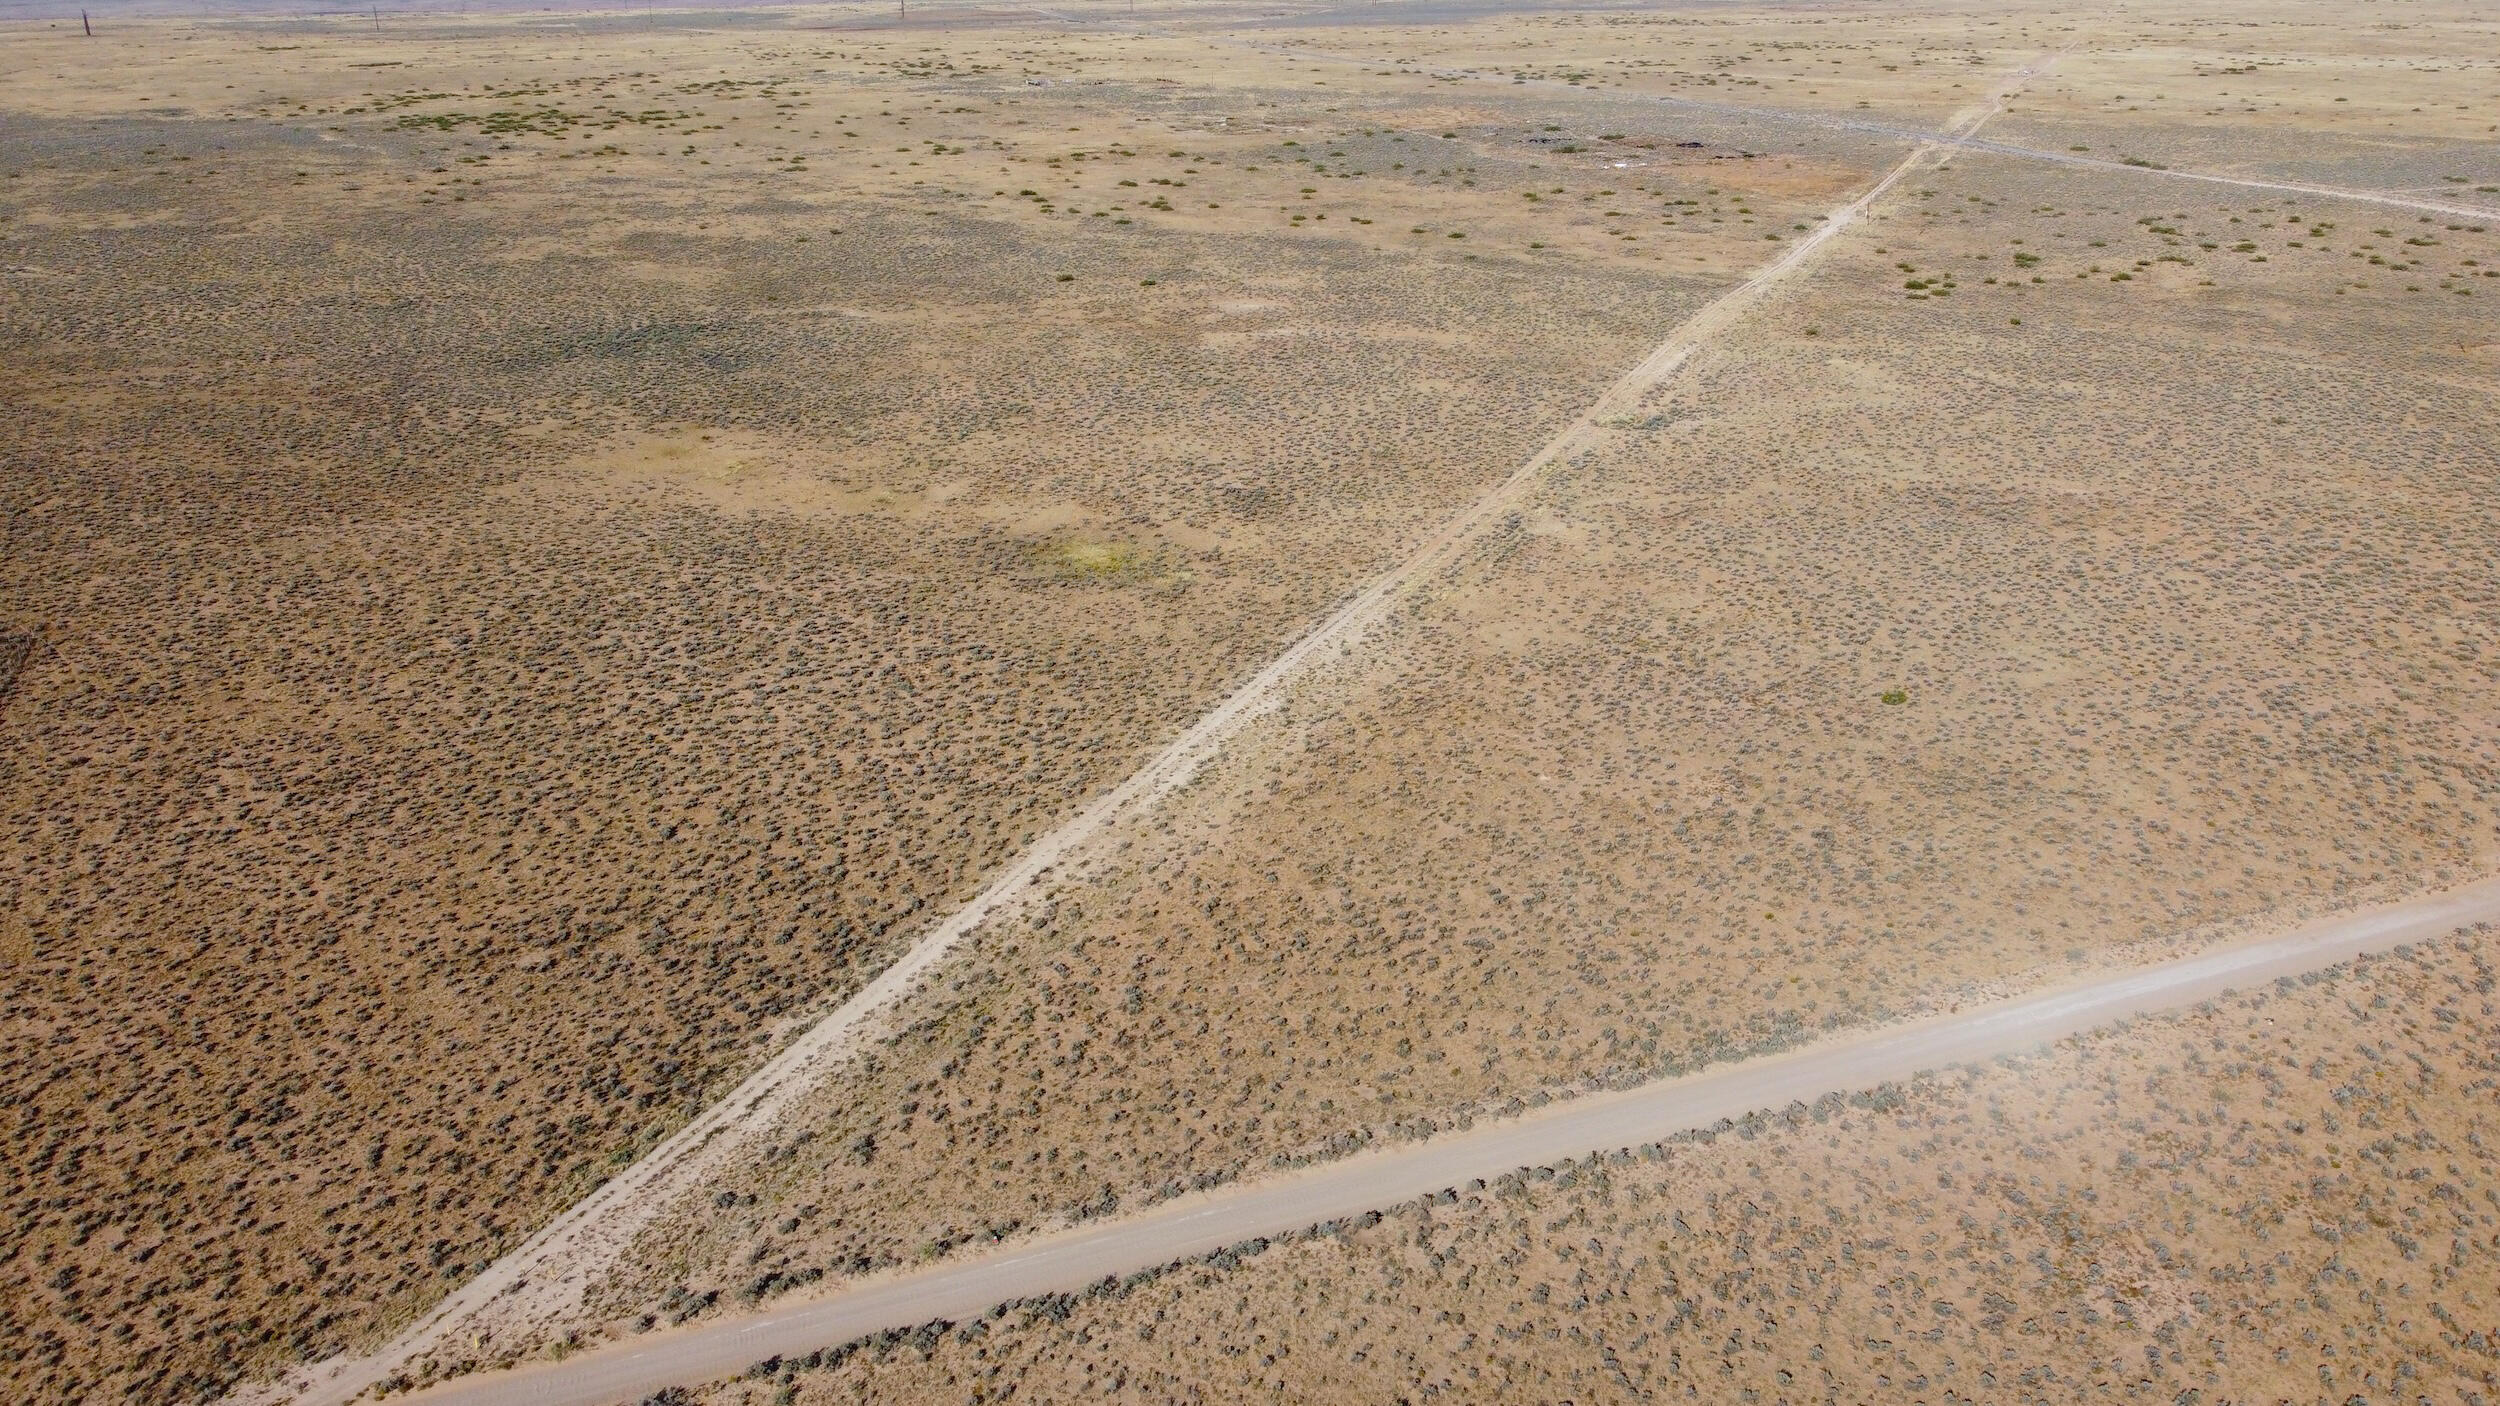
[1198, 1224]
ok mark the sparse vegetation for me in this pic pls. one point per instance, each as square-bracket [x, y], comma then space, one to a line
[534, 569]
[2204, 1204]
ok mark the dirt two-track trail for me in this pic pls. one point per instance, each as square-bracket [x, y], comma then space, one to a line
[545, 1279]
[1197, 1225]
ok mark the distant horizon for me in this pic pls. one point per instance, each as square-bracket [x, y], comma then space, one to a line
[56, 10]
[60, 11]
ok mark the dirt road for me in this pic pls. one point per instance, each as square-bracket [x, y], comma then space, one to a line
[1370, 1181]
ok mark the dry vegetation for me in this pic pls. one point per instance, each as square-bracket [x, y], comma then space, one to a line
[2284, 1195]
[505, 619]
[538, 559]
[1861, 678]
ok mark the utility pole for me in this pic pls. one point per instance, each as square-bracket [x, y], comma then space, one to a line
[83, 24]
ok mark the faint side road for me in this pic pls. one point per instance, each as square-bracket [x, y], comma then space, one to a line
[1958, 136]
[1370, 1181]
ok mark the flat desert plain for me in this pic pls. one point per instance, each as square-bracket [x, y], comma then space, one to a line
[546, 550]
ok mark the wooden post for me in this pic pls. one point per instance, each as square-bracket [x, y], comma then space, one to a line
[83, 24]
